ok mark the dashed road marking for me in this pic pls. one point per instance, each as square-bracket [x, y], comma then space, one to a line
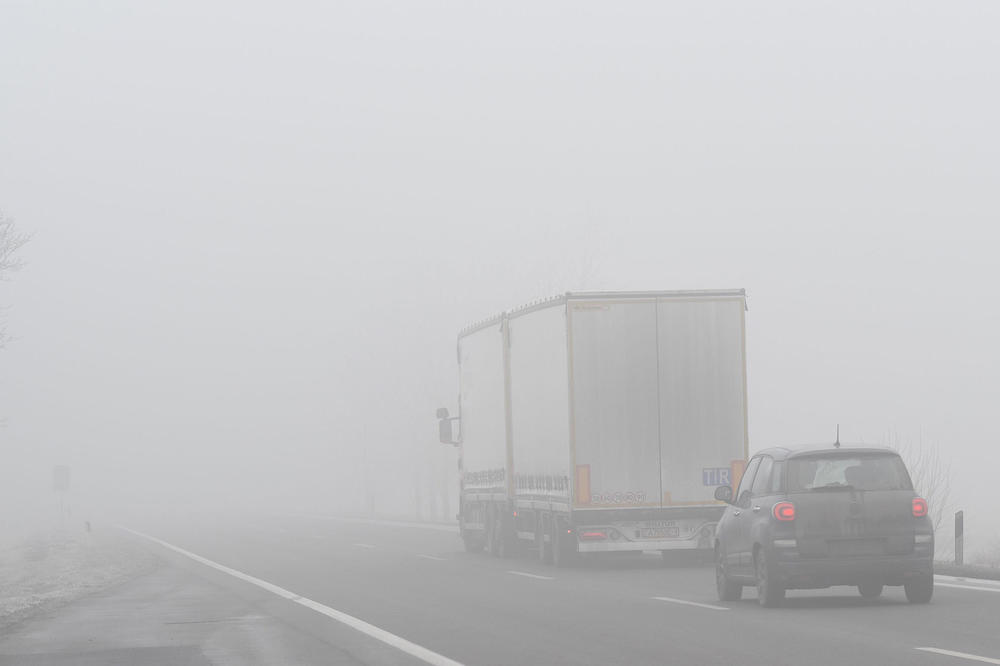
[690, 603]
[433, 557]
[440, 527]
[398, 642]
[362, 545]
[530, 575]
[960, 655]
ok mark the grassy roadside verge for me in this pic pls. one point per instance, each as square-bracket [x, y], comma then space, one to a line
[46, 570]
[967, 570]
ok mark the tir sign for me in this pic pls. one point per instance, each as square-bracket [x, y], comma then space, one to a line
[716, 476]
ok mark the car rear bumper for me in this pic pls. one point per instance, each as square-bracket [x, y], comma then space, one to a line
[795, 572]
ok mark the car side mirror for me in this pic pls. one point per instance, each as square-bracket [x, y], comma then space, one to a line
[724, 494]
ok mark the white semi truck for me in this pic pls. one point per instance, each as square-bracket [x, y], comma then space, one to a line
[600, 422]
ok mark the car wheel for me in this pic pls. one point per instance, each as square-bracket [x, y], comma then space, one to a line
[770, 593]
[919, 590]
[870, 590]
[728, 589]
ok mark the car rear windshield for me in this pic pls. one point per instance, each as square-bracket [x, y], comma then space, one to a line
[870, 471]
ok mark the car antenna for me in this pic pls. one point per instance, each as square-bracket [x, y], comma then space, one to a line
[837, 443]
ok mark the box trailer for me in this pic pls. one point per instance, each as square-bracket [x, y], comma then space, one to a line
[600, 422]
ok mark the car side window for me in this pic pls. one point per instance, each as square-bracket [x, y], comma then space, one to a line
[743, 494]
[777, 477]
[762, 482]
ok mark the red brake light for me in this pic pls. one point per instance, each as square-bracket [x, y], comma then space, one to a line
[784, 511]
[594, 536]
[919, 507]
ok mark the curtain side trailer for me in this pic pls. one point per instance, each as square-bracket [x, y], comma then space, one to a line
[601, 422]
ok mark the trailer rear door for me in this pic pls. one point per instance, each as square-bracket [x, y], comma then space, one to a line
[613, 379]
[702, 395]
[657, 398]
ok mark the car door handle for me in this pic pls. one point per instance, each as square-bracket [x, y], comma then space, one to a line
[756, 509]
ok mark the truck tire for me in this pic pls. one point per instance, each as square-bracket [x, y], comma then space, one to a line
[492, 545]
[919, 590]
[472, 544]
[870, 590]
[544, 546]
[563, 552]
[505, 542]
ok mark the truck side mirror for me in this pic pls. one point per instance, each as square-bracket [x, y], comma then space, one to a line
[444, 430]
[724, 494]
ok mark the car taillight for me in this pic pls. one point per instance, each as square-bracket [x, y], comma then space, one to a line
[919, 507]
[784, 511]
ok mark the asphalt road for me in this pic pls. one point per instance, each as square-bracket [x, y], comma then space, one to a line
[419, 584]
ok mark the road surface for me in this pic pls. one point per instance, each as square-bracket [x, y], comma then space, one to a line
[417, 583]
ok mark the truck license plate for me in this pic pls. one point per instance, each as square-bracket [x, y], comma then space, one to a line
[660, 532]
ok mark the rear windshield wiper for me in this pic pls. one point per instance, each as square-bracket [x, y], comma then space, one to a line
[833, 486]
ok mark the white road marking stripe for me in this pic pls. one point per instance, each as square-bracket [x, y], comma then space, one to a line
[362, 545]
[398, 642]
[690, 603]
[960, 655]
[968, 587]
[433, 557]
[967, 580]
[530, 575]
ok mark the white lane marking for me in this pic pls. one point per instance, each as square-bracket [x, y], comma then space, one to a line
[968, 587]
[690, 603]
[398, 642]
[433, 557]
[967, 580]
[441, 527]
[530, 575]
[362, 545]
[960, 655]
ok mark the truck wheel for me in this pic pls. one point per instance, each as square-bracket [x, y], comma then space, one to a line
[728, 589]
[544, 547]
[563, 552]
[770, 593]
[505, 545]
[492, 546]
[919, 590]
[472, 545]
[870, 590]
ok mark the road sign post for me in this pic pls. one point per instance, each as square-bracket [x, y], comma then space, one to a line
[959, 537]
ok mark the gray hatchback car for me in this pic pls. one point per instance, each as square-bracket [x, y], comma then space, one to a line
[821, 516]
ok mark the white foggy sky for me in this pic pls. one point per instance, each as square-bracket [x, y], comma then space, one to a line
[258, 226]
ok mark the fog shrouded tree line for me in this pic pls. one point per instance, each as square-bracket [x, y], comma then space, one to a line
[11, 240]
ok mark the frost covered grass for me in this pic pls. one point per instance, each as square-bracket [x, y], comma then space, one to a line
[40, 571]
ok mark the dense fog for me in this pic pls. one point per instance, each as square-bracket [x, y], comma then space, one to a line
[257, 228]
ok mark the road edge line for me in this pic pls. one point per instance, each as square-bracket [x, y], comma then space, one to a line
[960, 655]
[420, 652]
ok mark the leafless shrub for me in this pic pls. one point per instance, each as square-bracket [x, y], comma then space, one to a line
[988, 556]
[930, 471]
[11, 240]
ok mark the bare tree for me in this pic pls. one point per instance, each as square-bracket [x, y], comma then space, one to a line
[11, 240]
[930, 471]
